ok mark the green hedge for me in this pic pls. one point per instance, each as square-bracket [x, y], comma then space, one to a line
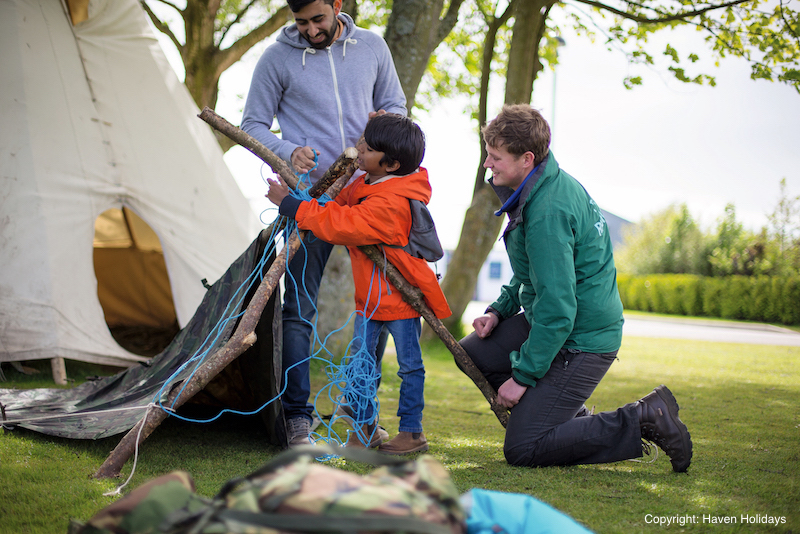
[749, 298]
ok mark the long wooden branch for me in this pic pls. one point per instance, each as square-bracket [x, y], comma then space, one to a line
[243, 337]
[413, 296]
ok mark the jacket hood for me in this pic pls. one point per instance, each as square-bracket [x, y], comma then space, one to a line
[414, 186]
[291, 35]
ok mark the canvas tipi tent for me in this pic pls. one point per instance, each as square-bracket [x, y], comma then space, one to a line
[93, 118]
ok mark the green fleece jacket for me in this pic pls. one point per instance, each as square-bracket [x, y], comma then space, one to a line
[564, 276]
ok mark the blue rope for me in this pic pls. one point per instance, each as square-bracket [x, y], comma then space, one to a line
[352, 383]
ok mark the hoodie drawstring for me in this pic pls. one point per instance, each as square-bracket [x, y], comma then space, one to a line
[307, 50]
[344, 46]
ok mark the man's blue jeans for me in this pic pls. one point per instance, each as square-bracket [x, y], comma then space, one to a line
[299, 310]
[405, 333]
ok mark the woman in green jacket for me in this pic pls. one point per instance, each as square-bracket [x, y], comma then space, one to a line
[555, 329]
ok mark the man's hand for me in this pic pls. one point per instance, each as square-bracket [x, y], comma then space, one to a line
[278, 190]
[509, 393]
[303, 159]
[376, 113]
[484, 324]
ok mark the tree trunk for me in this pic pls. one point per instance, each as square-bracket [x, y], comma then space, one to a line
[413, 32]
[523, 57]
[335, 303]
[481, 227]
[478, 235]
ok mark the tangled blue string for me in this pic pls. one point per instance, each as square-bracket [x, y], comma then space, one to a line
[305, 195]
[351, 384]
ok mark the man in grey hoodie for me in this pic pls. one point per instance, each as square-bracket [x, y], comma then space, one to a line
[323, 78]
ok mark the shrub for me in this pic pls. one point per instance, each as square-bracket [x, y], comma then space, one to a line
[762, 298]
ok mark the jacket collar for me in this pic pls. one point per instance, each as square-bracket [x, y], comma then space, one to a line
[524, 192]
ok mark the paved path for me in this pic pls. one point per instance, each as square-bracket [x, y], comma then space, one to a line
[722, 331]
[677, 328]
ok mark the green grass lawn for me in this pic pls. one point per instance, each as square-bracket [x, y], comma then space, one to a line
[741, 404]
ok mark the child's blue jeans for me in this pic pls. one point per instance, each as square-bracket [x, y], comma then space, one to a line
[405, 333]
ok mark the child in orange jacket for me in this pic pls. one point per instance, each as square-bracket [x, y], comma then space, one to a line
[374, 209]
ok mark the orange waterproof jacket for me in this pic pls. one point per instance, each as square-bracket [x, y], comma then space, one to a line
[375, 214]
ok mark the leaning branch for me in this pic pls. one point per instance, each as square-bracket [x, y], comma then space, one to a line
[243, 336]
[414, 297]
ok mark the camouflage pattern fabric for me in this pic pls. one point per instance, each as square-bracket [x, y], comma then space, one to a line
[296, 493]
[144, 510]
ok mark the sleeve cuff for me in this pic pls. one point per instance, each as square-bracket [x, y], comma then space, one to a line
[521, 383]
[289, 206]
[494, 311]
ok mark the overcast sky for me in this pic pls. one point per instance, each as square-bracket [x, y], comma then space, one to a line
[635, 151]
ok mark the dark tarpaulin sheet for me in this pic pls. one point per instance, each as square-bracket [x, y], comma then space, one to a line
[113, 405]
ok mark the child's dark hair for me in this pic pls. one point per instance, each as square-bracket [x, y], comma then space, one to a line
[399, 138]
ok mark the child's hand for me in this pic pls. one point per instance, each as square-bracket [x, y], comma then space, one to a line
[278, 190]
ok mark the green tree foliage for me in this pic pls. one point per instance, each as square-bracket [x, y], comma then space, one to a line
[670, 242]
[735, 251]
[784, 232]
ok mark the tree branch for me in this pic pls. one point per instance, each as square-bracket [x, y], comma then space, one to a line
[667, 18]
[448, 22]
[234, 53]
[415, 298]
[236, 21]
[162, 26]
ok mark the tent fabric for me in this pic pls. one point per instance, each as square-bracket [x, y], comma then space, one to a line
[113, 405]
[126, 248]
[94, 118]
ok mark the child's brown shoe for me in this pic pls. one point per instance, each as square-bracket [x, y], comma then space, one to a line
[367, 432]
[405, 443]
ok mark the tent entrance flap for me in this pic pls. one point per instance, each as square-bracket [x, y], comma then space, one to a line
[133, 285]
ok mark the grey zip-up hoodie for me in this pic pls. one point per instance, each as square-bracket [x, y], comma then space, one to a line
[322, 98]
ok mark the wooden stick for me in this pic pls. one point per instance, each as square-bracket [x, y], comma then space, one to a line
[414, 297]
[250, 143]
[243, 337]
[410, 294]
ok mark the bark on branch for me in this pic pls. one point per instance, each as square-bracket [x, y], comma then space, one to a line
[413, 296]
[243, 336]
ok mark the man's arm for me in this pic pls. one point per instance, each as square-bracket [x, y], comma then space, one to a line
[388, 94]
[551, 303]
[261, 106]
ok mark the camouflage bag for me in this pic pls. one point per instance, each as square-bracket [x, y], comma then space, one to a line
[296, 493]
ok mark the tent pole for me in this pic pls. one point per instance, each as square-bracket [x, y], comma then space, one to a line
[59, 368]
